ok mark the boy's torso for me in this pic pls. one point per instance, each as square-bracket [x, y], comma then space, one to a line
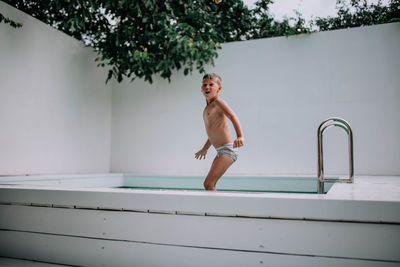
[216, 124]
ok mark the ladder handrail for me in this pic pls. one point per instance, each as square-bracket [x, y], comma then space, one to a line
[322, 127]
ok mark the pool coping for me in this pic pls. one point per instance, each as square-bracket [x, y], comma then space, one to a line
[371, 199]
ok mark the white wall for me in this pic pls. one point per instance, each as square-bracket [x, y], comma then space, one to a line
[55, 109]
[281, 89]
[54, 105]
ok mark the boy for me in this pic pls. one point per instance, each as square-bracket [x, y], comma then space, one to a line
[216, 115]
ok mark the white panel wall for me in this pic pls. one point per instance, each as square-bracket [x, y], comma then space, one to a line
[54, 105]
[281, 89]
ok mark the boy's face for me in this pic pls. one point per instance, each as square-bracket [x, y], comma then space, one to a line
[210, 88]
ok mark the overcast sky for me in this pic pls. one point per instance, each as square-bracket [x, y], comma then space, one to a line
[309, 8]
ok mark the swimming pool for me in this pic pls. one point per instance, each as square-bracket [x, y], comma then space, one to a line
[271, 184]
[277, 184]
[85, 220]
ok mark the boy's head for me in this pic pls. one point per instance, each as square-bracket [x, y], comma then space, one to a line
[213, 76]
[211, 85]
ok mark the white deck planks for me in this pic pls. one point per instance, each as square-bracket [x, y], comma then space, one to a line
[244, 204]
[93, 252]
[342, 228]
[332, 239]
[8, 262]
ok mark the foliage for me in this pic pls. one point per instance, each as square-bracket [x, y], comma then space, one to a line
[143, 38]
[151, 37]
[360, 13]
[264, 24]
[135, 38]
[9, 21]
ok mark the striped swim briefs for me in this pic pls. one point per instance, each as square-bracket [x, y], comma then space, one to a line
[228, 150]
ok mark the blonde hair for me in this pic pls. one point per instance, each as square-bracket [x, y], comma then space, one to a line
[213, 76]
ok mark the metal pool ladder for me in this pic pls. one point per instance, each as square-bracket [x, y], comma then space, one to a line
[325, 125]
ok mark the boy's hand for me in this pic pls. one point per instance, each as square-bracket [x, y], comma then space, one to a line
[201, 154]
[238, 142]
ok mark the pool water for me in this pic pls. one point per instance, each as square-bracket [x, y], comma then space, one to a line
[303, 185]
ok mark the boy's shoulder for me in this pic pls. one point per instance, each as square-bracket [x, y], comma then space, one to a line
[220, 101]
[220, 104]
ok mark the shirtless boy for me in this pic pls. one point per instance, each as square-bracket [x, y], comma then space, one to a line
[216, 115]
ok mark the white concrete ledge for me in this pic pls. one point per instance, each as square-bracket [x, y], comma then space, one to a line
[370, 199]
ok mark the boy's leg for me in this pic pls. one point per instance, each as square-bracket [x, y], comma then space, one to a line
[220, 164]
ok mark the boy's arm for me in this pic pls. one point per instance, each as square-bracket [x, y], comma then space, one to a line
[207, 145]
[201, 154]
[235, 121]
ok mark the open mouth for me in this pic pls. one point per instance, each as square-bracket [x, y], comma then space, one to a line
[207, 92]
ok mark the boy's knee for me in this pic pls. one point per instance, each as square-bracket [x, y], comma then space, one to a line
[208, 186]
